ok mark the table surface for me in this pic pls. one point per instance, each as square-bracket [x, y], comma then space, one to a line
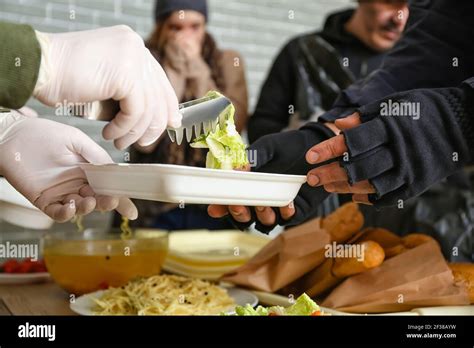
[35, 299]
[49, 299]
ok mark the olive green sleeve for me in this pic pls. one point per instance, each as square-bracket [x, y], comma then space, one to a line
[20, 59]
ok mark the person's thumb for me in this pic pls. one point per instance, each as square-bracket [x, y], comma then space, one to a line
[89, 149]
[348, 122]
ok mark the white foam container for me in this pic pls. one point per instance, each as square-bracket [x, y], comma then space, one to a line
[17, 210]
[192, 185]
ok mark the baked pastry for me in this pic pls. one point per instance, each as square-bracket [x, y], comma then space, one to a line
[344, 222]
[464, 273]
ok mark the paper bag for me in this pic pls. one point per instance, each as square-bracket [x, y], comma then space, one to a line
[297, 251]
[284, 259]
[419, 277]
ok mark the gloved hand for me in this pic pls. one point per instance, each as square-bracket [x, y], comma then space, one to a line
[40, 159]
[25, 111]
[282, 153]
[109, 63]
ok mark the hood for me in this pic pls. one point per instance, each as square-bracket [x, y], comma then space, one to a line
[333, 30]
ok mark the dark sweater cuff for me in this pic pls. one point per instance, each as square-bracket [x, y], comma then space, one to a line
[336, 113]
[464, 114]
[318, 128]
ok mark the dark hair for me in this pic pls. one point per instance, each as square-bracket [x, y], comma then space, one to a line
[210, 52]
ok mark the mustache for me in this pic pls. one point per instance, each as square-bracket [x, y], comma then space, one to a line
[393, 26]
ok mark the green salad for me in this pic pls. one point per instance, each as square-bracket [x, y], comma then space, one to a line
[226, 148]
[303, 306]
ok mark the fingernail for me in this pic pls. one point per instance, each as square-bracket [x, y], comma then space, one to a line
[329, 187]
[176, 121]
[313, 179]
[235, 212]
[313, 157]
[260, 209]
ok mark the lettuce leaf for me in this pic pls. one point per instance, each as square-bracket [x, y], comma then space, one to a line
[248, 310]
[303, 305]
[226, 148]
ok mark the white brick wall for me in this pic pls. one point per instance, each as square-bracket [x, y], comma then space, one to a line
[256, 28]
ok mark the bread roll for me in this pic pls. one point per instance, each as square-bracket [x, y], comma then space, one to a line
[373, 257]
[464, 273]
[320, 280]
[384, 237]
[394, 251]
[334, 270]
[344, 222]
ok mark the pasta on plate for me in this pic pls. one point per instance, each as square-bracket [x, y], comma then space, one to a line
[164, 295]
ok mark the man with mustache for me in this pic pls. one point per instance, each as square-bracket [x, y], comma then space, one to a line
[312, 69]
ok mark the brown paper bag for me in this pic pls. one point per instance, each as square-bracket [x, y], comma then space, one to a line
[284, 259]
[297, 251]
[419, 277]
[333, 271]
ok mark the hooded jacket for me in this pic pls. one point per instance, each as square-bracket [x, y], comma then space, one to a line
[309, 73]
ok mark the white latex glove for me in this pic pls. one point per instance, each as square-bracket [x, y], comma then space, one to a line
[40, 159]
[25, 111]
[109, 63]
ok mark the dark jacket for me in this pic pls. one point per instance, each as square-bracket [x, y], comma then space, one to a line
[435, 51]
[309, 73]
[435, 56]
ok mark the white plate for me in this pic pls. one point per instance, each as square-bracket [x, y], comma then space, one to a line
[183, 184]
[84, 304]
[270, 299]
[26, 278]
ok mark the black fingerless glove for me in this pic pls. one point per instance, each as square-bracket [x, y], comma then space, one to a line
[406, 150]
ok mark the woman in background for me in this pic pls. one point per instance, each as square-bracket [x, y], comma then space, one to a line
[194, 64]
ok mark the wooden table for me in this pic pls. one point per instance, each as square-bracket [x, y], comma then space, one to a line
[49, 299]
[35, 299]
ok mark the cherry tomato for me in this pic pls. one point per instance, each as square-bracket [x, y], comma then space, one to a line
[25, 266]
[10, 266]
[38, 266]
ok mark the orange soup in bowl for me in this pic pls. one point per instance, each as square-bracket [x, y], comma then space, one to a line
[92, 260]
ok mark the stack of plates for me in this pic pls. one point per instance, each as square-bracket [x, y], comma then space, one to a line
[209, 254]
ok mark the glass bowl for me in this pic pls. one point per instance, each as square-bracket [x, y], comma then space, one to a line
[82, 262]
